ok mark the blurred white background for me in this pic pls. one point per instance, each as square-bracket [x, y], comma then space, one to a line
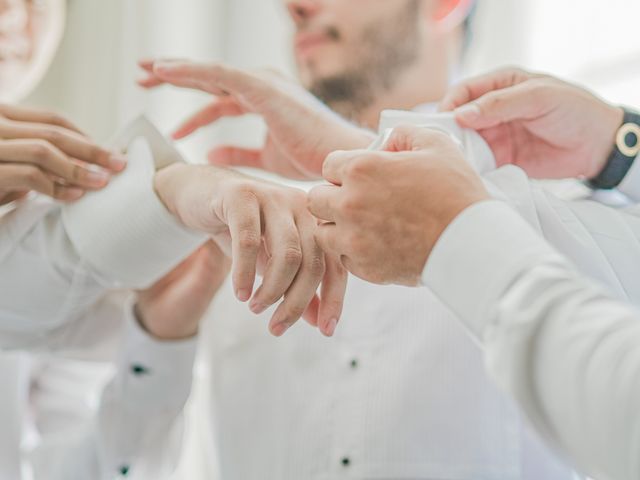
[589, 41]
[92, 79]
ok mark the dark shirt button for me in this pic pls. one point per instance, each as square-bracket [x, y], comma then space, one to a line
[354, 363]
[124, 470]
[346, 462]
[139, 370]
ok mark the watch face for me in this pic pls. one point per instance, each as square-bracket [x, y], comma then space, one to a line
[30, 31]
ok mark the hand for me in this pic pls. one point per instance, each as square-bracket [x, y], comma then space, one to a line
[264, 227]
[548, 127]
[173, 307]
[386, 210]
[44, 152]
[301, 130]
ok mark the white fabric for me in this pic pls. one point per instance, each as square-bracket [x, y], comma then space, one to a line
[138, 238]
[564, 347]
[417, 403]
[90, 417]
[630, 185]
[52, 301]
[119, 237]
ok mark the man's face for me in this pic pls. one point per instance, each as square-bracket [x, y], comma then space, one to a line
[347, 50]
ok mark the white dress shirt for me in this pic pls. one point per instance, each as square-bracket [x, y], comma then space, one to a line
[56, 263]
[400, 392]
[564, 346]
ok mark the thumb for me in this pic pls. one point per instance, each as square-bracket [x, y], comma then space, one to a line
[498, 107]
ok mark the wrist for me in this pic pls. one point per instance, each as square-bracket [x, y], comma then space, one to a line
[165, 185]
[161, 328]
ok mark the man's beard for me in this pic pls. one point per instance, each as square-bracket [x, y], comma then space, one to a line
[384, 51]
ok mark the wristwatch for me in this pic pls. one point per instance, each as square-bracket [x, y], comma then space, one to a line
[624, 153]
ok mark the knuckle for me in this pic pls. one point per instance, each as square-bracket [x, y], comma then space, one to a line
[358, 167]
[41, 149]
[350, 205]
[53, 135]
[316, 266]
[292, 256]
[32, 175]
[293, 312]
[249, 240]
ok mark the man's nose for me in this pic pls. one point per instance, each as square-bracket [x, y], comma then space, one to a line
[302, 11]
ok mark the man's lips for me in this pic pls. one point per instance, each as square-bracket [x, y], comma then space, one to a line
[306, 42]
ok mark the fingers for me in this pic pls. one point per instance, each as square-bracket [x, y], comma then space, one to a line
[332, 292]
[51, 160]
[476, 87]
[150, 80]
[308, 278]
[71, 143]
[33, 115]
[221, 107]
[329, 241]
[322, 201]
[228, 156]
[213, 78]
[246, 240]
[408, 138]
[29, 177]
[501, 106]
[283, 244]
[334, 166]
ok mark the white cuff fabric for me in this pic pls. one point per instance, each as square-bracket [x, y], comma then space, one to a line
[630, 185]
[156, 374]
[124, 231]
[473, 262]
[475, 149]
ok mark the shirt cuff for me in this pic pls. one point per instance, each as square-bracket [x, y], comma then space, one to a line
[154, 373]
[475, 149]
[630, 184]
[476, 258]
[124, 231]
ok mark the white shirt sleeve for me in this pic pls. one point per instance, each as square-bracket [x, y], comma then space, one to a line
[630, 185]
[137, 430]
[56, 262]
[567, 351]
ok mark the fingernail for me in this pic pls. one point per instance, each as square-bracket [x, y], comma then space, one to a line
[279, 329]
[117, 161]
[258, 308]
[331, 327]
[468, 112]
[243, 294]
[97, 175]
[74, 193]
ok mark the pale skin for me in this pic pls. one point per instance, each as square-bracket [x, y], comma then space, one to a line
[294, 117]
[44, 152]
[548, 127]
[385, 210]
[266, 229]
[172, 309]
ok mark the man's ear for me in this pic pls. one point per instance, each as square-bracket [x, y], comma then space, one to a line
[449, 14]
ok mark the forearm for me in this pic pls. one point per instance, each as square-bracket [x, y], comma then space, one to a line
[567, 352]
[57, 262]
